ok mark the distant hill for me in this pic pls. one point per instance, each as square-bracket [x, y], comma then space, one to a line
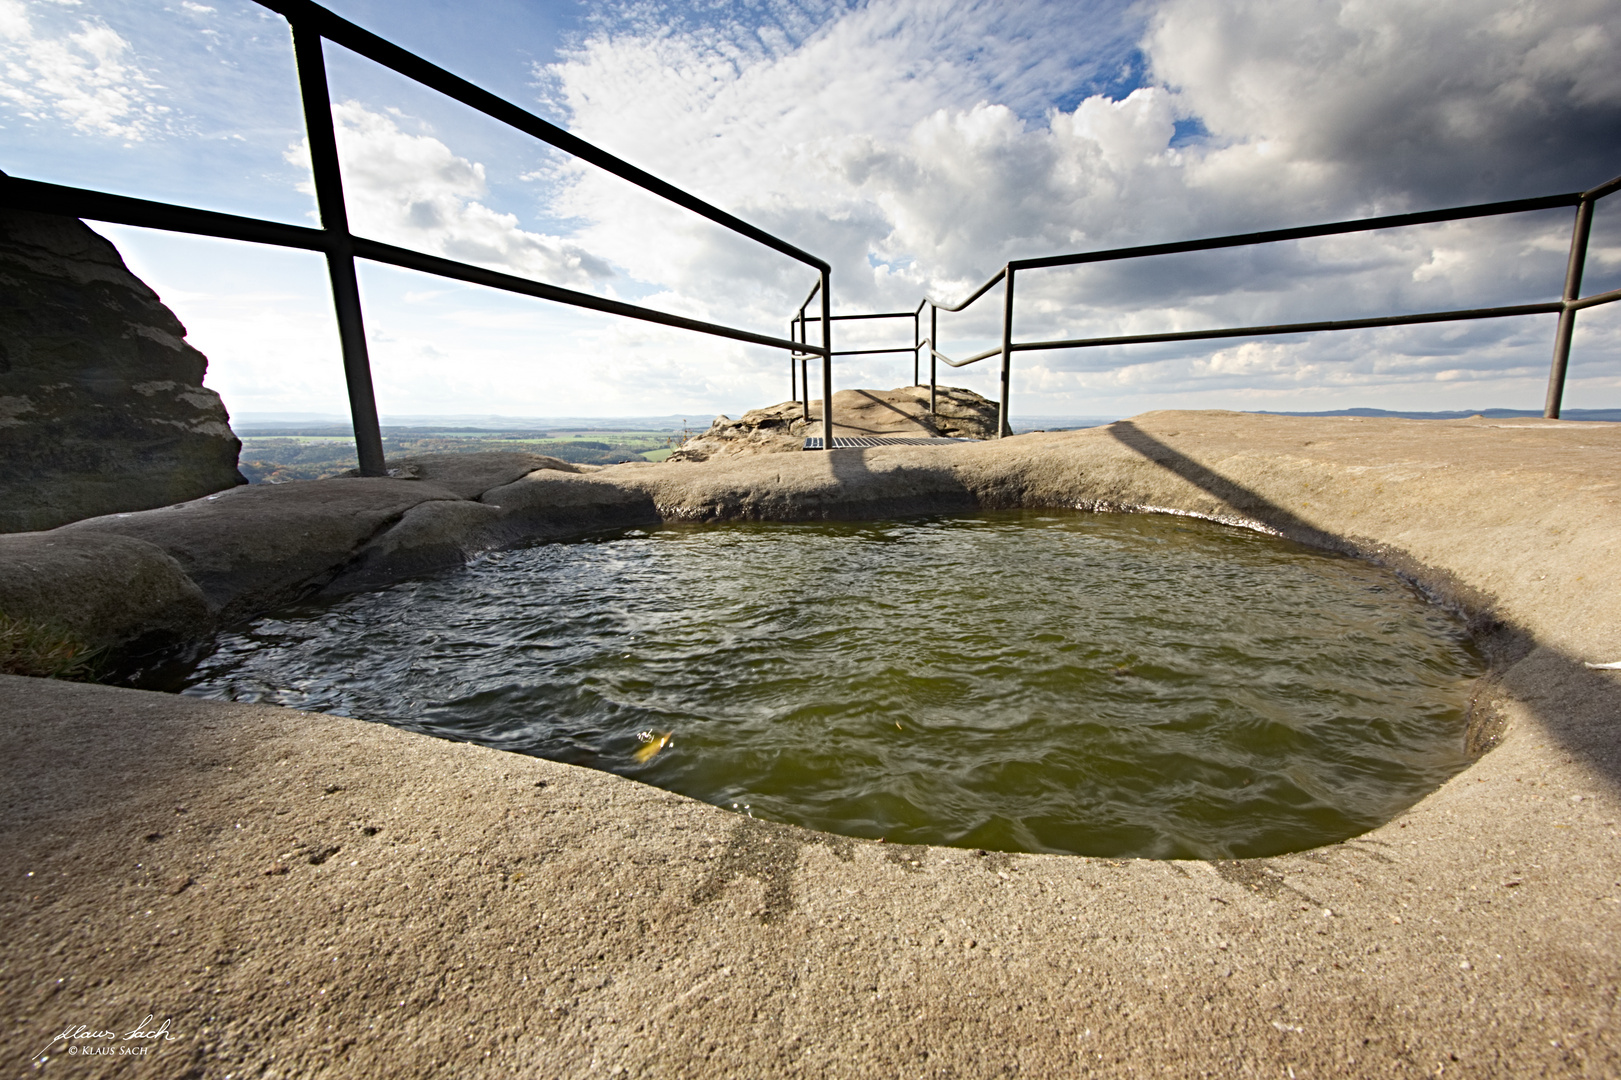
[326, 424]
[1064, 423]
[1460, 414]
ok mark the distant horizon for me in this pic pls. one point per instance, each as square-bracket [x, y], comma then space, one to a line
[474, 422]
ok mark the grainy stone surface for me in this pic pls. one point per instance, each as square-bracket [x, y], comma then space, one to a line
[102, 403]
[470, 475]
[430, 536]
[776, 429]
[902, 412]
[106, 591]
[317, 896]
[255, 547]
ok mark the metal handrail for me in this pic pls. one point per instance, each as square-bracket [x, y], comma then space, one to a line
[974, 359]
[311, 25]
[975, 295]
[1566, 307]
[1335, 228]
[340, 31]
[1289, 328]
[123, 210]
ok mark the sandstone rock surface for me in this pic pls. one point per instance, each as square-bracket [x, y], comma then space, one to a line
[476, 913]
[251, 549]
[102, 406]
[107, 591]
[899, 413]
[237, 553]
[256, 547]
[470, 475]
[958, 413]
[776, 429]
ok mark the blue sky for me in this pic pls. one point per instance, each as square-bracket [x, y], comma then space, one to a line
[917, 144]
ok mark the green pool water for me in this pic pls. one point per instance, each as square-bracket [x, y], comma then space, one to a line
[1099, 684]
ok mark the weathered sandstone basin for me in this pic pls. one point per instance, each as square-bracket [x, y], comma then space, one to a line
[308, 895]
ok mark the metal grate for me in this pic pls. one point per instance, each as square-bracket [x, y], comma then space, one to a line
[850, 442]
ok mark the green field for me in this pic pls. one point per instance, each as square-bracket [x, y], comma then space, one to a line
[311, 454]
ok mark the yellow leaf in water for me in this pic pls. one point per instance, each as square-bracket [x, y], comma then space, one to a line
[652, 743]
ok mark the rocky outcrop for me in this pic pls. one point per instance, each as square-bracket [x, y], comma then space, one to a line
[774, 430]
[958, 413]
[902, 412]
[102, 403]
[470, 475]
[129, 585]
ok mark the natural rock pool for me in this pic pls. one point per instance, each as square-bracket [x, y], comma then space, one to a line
[1099, 684]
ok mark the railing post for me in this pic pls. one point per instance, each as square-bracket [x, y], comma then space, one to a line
[916, 333]
[1004, 425]
[827, 361]
[340, 253]
[934, 343]
[793, 374]
[804, 371]
[1567, 317]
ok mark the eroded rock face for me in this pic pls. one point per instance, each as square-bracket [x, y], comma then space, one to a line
[773, 430]
[102, 406]
[470, 475]
[107, 591]
[958, 413]
[902, 412]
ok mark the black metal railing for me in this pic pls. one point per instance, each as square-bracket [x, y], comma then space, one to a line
[312, 26]
[799, 380]
[1570, 302]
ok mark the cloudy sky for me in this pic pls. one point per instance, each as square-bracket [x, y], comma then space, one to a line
[916, 144]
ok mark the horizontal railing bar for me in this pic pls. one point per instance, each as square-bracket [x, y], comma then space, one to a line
[1392, 221]
[1290, 328]
[477, 275]
[870, 352]
[816, 288]
[976, 358]
[1595, 300]
[1582, 199]
[122, 210]
[343, 32]
[1551, 307]
[981, 291]
[1272, 236]
[46, 198]
[879, 315]
[1609, 187]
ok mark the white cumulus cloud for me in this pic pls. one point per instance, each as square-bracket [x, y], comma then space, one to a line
[917, 165]
[413, 191]
[918, 145]
[85, 77]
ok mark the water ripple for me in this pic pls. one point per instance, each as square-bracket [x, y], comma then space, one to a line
[1095, 684]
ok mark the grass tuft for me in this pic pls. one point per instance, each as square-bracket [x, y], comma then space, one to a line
[30, 648]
